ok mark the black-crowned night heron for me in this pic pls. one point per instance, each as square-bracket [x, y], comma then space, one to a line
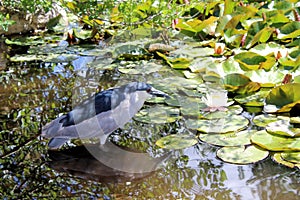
[100, 115]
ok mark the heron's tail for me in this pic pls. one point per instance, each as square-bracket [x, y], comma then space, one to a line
[51, 129]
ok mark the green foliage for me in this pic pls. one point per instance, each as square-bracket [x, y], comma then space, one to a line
[24, 6]
[5, 21]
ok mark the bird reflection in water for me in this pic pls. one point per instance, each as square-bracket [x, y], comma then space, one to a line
[82, 162]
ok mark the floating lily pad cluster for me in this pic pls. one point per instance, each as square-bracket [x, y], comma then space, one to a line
[252, 54]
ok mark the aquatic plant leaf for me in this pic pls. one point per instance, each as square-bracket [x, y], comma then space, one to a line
[234, 82]
[188, 52]
[283, 128]
[228, 139]
[219, 125]
[265, 78]
[230, 110]
[263, 120]
[242, 155]
[27, 58]
[83, 34]
[129, 49]
[236, 79]
[253, 61]
[26, 41]
[289, 63]
[158, 114]
[248, 88]
[190, 106]
[256, 99]
[176, 141]
[230, 66]
[297, 79]
[180, 63]
[284, 94]
[289, 30]
[262, 36]
[278, 158]
[142, 67]
[293, 157]
[275, 143]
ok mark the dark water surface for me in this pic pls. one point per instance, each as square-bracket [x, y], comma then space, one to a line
[34, 93]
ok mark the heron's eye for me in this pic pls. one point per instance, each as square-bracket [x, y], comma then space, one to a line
[148, 90]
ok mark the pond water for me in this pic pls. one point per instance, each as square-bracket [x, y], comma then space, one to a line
[35, 92]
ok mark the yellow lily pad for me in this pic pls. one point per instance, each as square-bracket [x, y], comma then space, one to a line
[293, 157]
[277, 158]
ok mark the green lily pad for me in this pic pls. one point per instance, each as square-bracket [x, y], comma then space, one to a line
[265, 78]
[179, 82]
[290, 30]
[27, 58]
[264, 120]
[252, 61]
[219, 125]
[236, 79]
[142, 67]
[242, 155]
[26, 41]
[231, 110]
[256, 99]
[284, 128]
[190, 106]
[284, 94]
[293, 157]
[277, 158]
[176, 141]
[189, 52]
[228, 139]
[158, 114]
[275, 143]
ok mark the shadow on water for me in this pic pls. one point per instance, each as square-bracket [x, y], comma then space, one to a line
[79, 162]
[33, 93]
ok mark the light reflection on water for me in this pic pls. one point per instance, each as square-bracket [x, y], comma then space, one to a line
[193, 173]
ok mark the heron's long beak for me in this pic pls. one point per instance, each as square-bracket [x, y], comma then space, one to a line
[158, 93]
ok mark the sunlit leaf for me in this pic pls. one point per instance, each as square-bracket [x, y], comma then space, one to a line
[277, 158]
[158, 115]
[176, 141]
[265, 78]
[262, 36]
[219, 125]
[228, 139]
[284, 94]
[293, 157]
[248, 88]
[283, 128]
[275, 143]
[242, 155]
[263, 120]
[142, 67]
[256, 99]
[290, 30]
[253, 61]
[236, 80]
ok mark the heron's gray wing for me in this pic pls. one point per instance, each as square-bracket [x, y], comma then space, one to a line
[98, 103]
